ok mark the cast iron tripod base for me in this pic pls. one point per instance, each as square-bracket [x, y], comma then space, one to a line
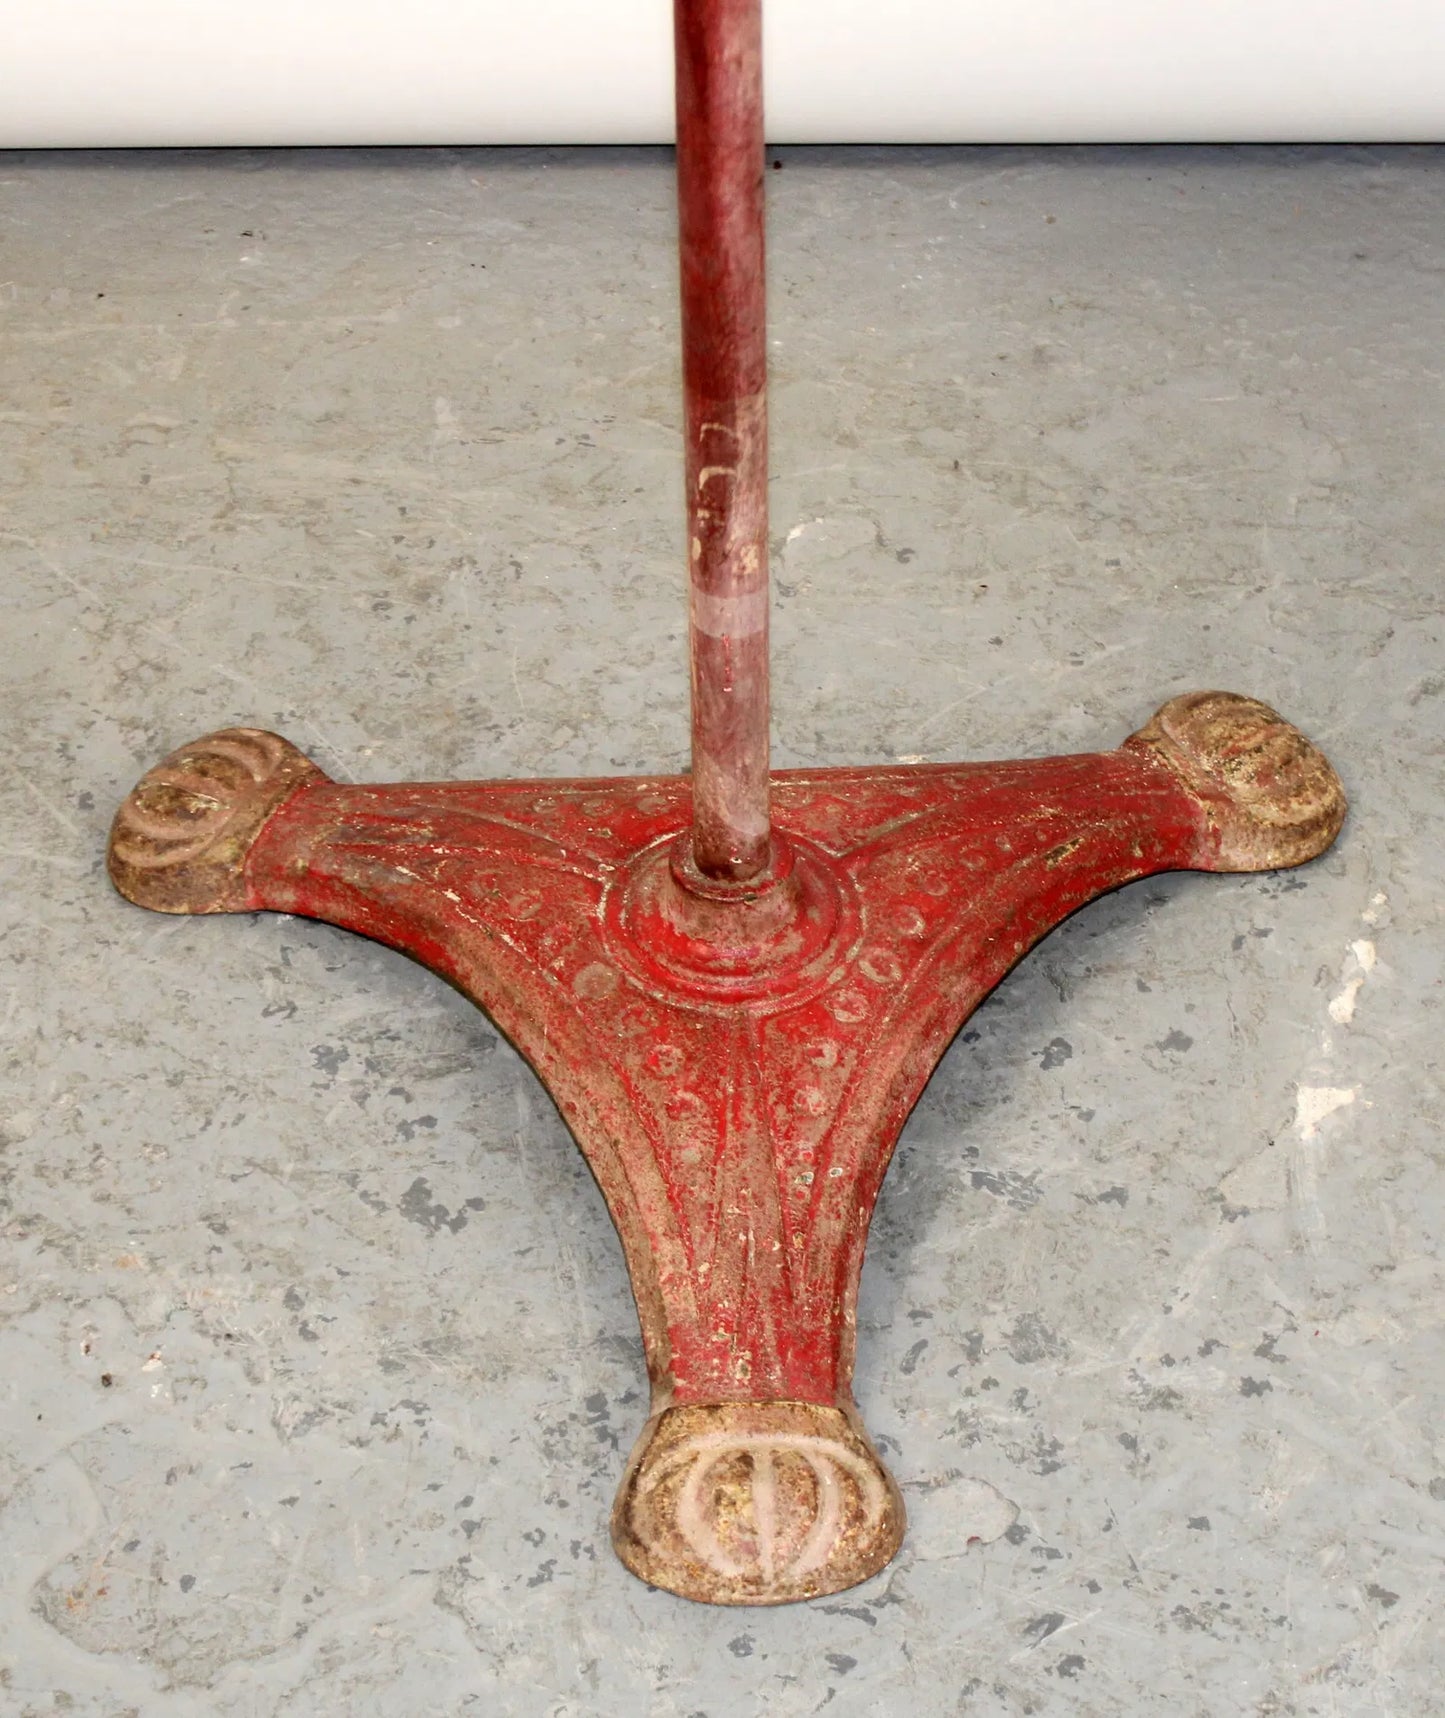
[736, 1061]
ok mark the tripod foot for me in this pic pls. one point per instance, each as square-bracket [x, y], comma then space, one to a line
[1271, 797]
[180, 840]
[756, 1503]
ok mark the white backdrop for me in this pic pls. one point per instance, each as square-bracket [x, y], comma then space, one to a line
[131, 72]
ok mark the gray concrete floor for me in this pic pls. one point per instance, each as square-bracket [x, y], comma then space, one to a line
[318, 1359]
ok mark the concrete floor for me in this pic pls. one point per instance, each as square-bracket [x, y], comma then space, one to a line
[318, 1359]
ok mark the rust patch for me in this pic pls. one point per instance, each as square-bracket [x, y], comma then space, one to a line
[1065, 849]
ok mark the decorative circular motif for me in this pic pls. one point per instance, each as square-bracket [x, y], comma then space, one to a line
[776, 957]
[849, 1007]
[595, 981]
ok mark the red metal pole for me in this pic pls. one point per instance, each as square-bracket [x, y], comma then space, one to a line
[720, 163]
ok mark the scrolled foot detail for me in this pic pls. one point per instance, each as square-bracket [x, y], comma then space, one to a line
[180, 839]
[1271, 798]
[756, 1503]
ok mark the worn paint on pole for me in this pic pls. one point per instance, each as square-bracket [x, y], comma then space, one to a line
[720, 163]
